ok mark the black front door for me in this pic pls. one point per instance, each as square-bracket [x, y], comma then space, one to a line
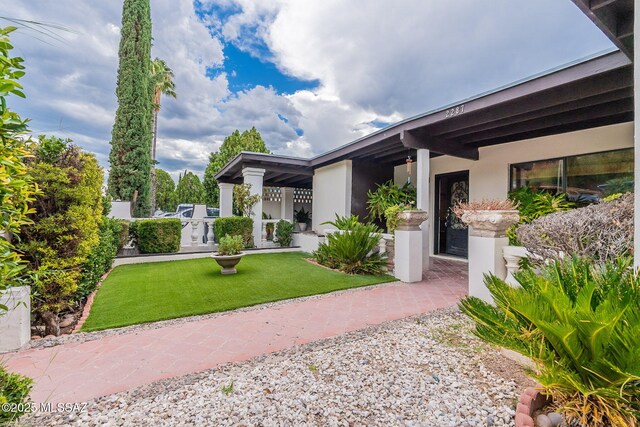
[451, 234]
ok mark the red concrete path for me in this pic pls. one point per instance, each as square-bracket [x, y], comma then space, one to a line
[77, 372]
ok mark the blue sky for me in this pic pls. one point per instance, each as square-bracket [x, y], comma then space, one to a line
[310, 75]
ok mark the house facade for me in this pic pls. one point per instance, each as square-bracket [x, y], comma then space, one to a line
[569, 130]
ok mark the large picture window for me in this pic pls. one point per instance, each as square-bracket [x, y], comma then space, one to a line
[585, 178]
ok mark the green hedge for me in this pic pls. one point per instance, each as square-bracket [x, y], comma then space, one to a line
[14, 389]
[101, 257]
[235, 226]
[157, 236]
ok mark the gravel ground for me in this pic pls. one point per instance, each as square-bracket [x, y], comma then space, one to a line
[421, 371]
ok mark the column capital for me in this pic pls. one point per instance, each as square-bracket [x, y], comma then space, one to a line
[253, 172]
[225, 185]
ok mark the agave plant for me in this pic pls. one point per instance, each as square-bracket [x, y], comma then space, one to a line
[580, 323]
[352, 250]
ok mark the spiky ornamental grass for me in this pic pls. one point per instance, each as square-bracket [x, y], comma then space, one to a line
[580, 323]
[130, 155]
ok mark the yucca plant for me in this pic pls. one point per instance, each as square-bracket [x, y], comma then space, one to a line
[580, 323]
[352, 250]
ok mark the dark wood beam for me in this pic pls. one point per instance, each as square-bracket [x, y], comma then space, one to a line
[580, 115]
[379, 148]
[573, 92]
[559, 129]
[597, 4]
[450, 148]
[616, 95]
[391, 151]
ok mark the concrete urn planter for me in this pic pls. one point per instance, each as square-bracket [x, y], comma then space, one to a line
[228, 262]
[411, 220]
[490, 223]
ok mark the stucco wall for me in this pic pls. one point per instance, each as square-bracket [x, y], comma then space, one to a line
[489, 176]
[331, 193]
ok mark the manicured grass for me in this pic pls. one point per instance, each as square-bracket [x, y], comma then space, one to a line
[149, 292]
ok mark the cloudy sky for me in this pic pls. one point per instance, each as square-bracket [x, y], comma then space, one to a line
[309, 75]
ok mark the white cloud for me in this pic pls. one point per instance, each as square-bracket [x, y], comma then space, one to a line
[375, 61]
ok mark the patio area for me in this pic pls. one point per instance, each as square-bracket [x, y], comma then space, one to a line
[121, 359]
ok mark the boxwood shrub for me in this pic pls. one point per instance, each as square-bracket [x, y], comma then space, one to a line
[157, 236]
[14, 390]
[101, 257]
[234, 226]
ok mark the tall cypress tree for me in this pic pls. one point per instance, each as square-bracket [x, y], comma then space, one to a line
[130, 155]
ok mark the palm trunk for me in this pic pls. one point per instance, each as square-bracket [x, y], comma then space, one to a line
[153, 162]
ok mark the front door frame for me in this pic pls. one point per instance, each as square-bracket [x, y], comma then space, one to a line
[436, 209]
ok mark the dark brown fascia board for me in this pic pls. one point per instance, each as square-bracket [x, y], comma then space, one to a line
[605, 20]
[567, 74]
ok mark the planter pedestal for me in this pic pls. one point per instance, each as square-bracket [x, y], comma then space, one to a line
[512, 256]
[408, 246]
[487, 239]
[228, 262]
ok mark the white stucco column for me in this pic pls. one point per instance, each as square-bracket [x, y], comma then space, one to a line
[422, 201]
[15, 324]
[286, 203]
[636, 142]
[487, 240]
[226, 199]
[254, 177]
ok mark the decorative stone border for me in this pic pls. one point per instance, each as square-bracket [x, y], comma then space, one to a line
[87, 305]
[530, 401]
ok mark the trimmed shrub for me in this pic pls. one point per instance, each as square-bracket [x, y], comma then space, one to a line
[101, 257]
[235, 226]
[158, 236]
[284, 233]
[66, 225]
[579, 321]
[125, 233]
[14, 390]
[601, 232]
[353, 251]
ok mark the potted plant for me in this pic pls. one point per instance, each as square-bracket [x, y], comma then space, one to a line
[302, 218]
[488, 217]
[269, 226]
[229, 253]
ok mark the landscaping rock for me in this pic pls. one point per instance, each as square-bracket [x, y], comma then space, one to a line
[555, 418]
[543, 421]
[326, 383]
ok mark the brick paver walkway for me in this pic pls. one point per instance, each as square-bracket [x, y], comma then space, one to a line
[77, 372]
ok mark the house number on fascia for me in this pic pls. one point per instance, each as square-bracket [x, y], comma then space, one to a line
[455, 111]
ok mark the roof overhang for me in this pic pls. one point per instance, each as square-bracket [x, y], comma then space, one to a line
[614, 18]
[280, 171]
[582, 95]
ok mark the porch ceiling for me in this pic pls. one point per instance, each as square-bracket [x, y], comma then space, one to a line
[614, 18]
[280, 171]
[583, 95]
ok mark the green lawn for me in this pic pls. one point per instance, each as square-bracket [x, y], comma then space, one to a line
[149, 292]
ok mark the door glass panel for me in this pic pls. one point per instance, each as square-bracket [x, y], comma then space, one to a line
[593, 176]
[540, 175]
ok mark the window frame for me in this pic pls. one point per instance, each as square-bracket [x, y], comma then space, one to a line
[564, 160]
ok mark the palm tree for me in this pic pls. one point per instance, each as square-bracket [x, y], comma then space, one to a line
[162, 81]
